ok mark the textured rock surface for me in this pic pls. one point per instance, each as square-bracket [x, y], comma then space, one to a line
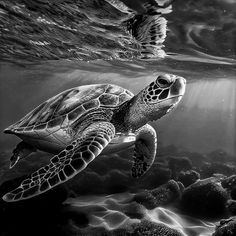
[226, 228]
[188, 177]
[163, 195]
[144, 228]
[176, 164]
[205, 198]
[147, 228]
[229, 182]
[231, 206]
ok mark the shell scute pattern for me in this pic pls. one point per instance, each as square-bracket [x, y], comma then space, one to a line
[116, 90]
[51, 109]
[44, 117]
[46, 112]
[123, 98]
[108, 100]
[55, 122]
[91, 104]
[129, 93]
[31, 119]
[24, 121]
[28, 128]
[21, 129]
[64, 108]
[70, 102]
[40, 126]
[56, 106]
[79, 111]
[53, 105]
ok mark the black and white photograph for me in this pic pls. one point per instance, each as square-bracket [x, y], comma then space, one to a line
[118, 117]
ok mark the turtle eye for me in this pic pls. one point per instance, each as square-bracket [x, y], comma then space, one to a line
[162, 81]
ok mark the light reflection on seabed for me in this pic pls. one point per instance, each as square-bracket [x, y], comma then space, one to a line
[109, 212]
[185, 224]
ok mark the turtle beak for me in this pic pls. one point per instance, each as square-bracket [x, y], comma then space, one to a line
[178, 87]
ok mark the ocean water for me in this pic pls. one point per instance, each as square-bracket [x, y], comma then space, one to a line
[48, 46]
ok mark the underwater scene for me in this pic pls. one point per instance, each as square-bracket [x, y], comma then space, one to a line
[118, 117]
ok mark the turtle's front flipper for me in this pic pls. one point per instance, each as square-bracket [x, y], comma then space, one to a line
[22, 150]
[67, 163]
[144, 150]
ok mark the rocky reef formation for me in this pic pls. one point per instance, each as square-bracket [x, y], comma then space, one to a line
[160, 196]
[177, 181]
[205, 198]
[226, 227]
[57, 217]
[188, 177]
[147, 228]
[144, 228]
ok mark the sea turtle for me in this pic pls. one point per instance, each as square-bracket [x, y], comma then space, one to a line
[79, 123]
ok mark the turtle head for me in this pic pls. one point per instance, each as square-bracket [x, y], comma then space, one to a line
[154, 101]
[163, 94]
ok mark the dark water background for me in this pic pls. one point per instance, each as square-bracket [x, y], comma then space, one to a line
[49, 46]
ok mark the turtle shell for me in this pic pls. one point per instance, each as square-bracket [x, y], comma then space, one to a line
[63, 109]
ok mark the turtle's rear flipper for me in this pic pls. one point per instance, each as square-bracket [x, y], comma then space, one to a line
[22, 150]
